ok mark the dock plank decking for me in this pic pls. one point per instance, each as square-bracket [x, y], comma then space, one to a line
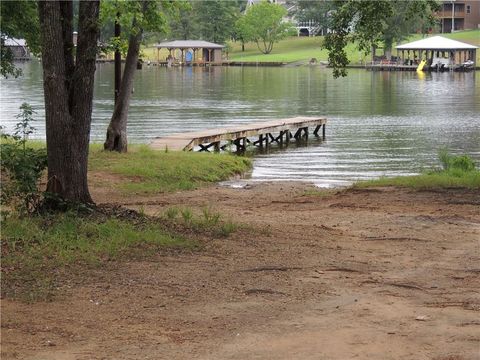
[267, 132]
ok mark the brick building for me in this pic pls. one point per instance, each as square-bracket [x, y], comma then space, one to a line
[465, 15]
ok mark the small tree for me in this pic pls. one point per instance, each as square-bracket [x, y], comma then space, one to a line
[21, 165]
[135, 17]
[263, 24]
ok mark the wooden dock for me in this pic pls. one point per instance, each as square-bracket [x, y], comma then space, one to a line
[260, 134]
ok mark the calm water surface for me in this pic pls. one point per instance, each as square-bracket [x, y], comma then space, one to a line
[380, 123]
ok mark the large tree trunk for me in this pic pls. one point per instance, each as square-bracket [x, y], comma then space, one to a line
[68, 89]
[117, 129]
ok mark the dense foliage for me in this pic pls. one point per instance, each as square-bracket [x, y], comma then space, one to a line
[148, 17]
[19, 19]
[369, 23]
[21, 166]
[216, 19]
[263, 24]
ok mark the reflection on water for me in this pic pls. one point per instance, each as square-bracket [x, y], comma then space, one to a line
[380, 123]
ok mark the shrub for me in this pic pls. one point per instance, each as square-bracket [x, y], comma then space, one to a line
[458, 163]
[21, 165]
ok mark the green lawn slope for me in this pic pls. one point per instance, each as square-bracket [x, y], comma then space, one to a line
[302, 49]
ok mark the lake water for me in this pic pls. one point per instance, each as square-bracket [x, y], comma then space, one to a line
[380, 123]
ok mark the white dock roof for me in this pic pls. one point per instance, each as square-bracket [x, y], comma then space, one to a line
[436, 43]
[189, 44]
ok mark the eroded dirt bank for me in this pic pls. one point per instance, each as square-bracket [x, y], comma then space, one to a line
[357, 274]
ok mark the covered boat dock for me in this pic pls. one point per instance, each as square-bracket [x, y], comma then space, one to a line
[438, 52]
[190, 52]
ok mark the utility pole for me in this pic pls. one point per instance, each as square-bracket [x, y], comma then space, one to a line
[118, 59]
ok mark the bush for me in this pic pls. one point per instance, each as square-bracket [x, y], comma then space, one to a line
[456, 163]
[21, 166]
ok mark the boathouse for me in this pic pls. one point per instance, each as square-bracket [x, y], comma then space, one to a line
[191, 52]
[18, 47]
[437, 50]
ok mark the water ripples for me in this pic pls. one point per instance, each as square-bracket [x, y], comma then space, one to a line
[380, 123]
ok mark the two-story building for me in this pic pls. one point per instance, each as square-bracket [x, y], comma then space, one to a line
[464, 15]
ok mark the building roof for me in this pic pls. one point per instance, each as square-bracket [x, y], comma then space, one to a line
[15, 42]
[189, 44]
[436, 43]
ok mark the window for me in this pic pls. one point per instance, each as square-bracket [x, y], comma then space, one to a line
[468, 9]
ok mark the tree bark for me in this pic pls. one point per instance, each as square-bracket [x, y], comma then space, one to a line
[118, 61]
[68, 90]
[117, 129]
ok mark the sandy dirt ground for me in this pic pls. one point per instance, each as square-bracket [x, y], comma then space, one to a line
[356, 274]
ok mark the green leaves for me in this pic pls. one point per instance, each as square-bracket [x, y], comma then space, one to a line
[134, 17]
[19, 19]
[21, 166]
[369, 23]
[216, 19]
[263, 24]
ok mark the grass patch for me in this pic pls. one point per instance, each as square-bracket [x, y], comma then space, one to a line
[295, 49]
[319, 192]
[147, 171]
[427, 181]
[207, 220]
[457, 172]
[153, 171]
[37, 250]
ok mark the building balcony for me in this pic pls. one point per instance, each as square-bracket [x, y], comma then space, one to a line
[448, 14]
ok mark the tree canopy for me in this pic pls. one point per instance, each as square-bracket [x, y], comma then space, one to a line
[263, 24]
[369, 23]
[182, 22]
[317, 11]
[216, 19]
[19, 19]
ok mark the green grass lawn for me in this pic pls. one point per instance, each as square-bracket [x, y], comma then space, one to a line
[302, 49]
[147, 171]
[293, 49]
[296, 49]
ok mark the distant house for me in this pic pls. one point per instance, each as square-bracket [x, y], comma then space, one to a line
[18, 47]
[464, 15]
